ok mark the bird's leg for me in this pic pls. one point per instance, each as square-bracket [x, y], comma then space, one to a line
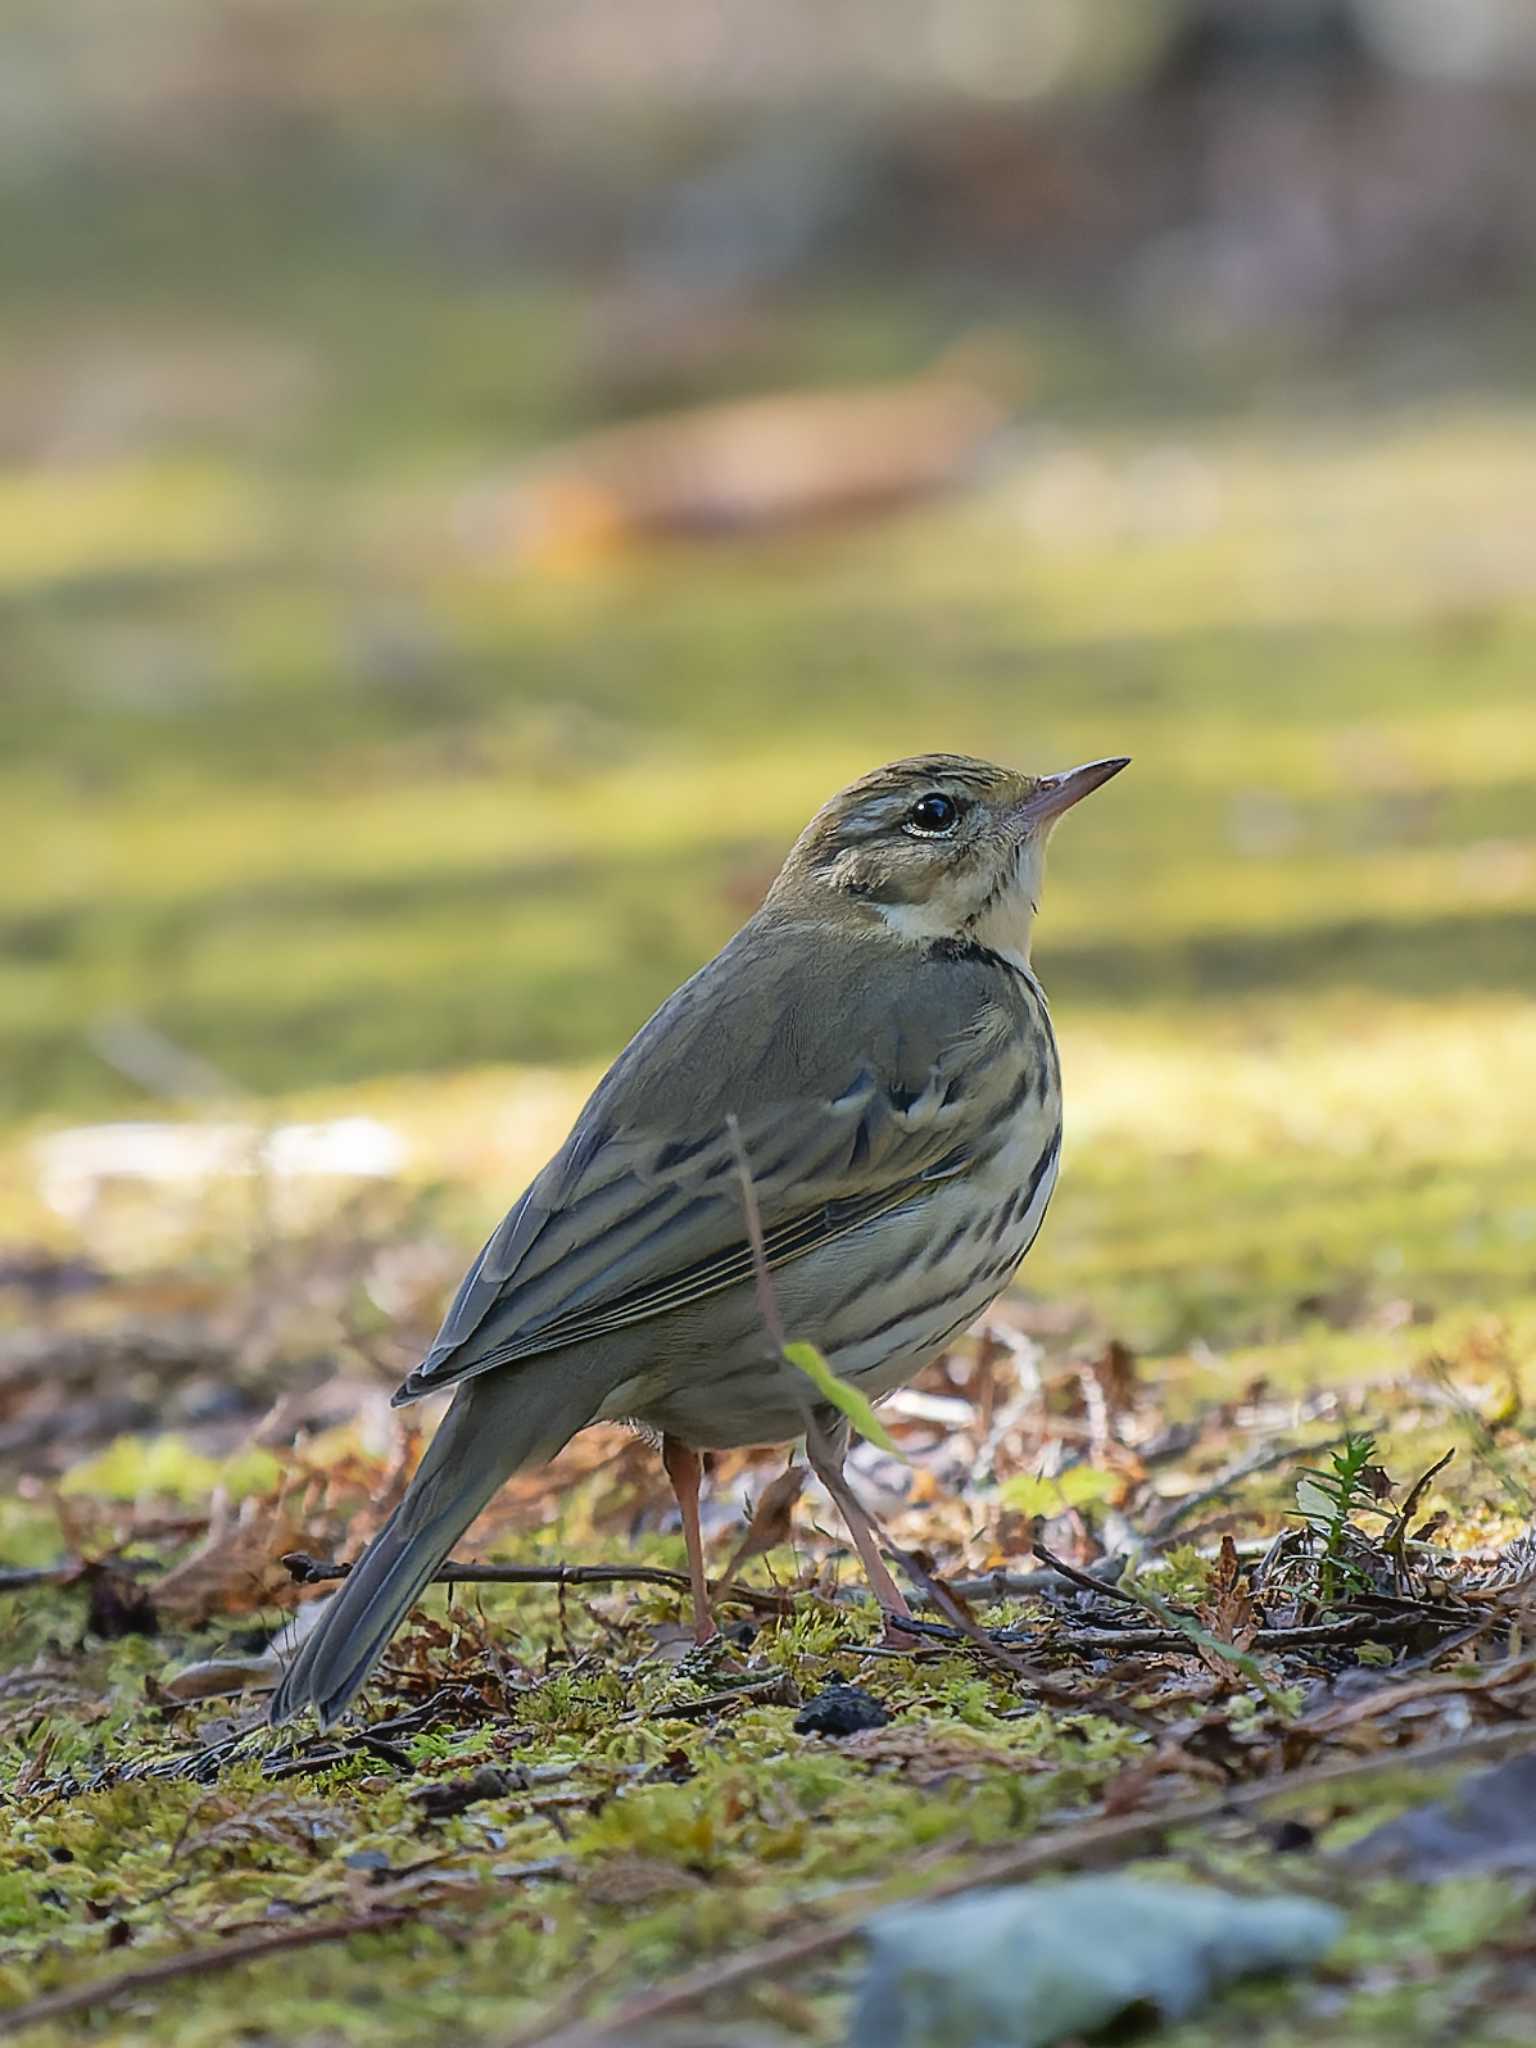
[683, 1469]
[826, 1449]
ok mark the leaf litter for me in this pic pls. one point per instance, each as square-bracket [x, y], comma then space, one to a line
[1148, 1633]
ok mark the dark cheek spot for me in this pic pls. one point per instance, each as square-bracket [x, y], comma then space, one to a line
[873, 882]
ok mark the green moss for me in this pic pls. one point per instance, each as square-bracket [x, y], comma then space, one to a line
[372, 822]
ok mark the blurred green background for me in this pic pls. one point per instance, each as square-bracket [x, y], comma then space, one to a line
[1151, 378]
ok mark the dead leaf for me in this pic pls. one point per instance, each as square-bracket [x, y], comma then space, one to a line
[238, 1566]
[216, 1677]
[1227, 1613]
[772, 1518]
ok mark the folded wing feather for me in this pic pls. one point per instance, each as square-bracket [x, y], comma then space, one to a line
[641, 1211]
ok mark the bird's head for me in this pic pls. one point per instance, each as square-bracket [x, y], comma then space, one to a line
[938, 847]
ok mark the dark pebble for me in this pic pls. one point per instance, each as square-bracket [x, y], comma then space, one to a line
[840, 1710]
[1287, 1837]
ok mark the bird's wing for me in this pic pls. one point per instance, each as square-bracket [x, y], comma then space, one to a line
[857, 1084]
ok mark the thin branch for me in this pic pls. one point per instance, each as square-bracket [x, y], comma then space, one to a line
[1084, 1580]
[999, 1585]
[310, 1571]
[776, 1691]
[19, 1579]
[1352, 1629]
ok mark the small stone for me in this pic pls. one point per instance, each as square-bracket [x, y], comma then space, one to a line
[841, 1710]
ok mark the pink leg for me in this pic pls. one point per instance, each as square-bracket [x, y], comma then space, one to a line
[683, 1469]
[826, 1453]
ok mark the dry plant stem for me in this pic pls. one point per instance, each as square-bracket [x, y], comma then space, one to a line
[999, 1585]
[1095, 1842]
[1364, 1628]
[767, 1300]
[1074, 1577]
[683, 1468]
[311, 1571]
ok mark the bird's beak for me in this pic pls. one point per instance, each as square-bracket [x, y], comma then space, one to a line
[1054, 794]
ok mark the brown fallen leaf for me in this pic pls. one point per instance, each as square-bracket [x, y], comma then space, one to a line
[1228, 1614]
[238, 1566]
[783, 462]
[771, 1518]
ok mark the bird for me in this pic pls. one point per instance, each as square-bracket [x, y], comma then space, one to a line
[854, 1108]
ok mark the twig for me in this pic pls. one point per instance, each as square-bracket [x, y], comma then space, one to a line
[310, 1571]
[1085, 1580]
[313, 1571]
[999, 1585]
[1123, 1837]
[198, 1962]
[1394, 1538]
[763, 1692]
[1038, 1681]
[18, 1578]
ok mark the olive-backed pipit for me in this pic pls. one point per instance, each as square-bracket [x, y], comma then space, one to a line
[875, 1043]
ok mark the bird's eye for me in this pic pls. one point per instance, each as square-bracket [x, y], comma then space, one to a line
[932, 815]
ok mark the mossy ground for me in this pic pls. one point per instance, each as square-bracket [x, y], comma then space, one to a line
[370, 821]
[1210, 1219]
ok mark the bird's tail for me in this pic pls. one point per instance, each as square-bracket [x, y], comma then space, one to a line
[497, 1423]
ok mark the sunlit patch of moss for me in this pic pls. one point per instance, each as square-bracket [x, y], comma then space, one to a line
[1343, 810]
[136, 1468]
